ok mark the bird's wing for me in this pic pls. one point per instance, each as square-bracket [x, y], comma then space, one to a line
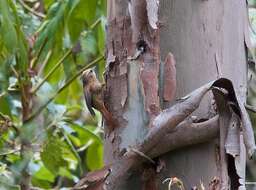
[88, 100]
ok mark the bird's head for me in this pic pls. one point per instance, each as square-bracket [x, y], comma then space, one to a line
[88, 75]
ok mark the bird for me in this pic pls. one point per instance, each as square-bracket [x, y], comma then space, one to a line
[93, 94]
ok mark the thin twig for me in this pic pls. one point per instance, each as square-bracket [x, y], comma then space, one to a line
[35, 60]
[15, 71]
[3, 94]
[74, 151]
[47, 58]
[95, 23]
[40, 15]
[142, 155]
[56, 66]
[10, 152]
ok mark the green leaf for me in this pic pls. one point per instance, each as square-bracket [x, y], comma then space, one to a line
[52, 155]
[41, 183]
[89, 44]
[7, 28]
[89, 48]
[85, 134]
[5, 107]
[65, 173]
[76, 141]
[75, 27]
[12, 35]
[103, 7]
[44, 174]
[13, 158]
[82, 15]
[101, 35]
[68, 155]
[48, 3]
[94, 156]
[86, 9]
[52, 29]
[53, 10]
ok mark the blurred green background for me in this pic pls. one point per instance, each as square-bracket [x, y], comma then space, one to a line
[45, 129]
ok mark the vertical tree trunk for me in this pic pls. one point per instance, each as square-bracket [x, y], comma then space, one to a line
[133, 60]
[207, 39]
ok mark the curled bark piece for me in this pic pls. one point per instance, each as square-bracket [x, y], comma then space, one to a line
[239, 109]
[232, 115]
[232, 144]
[224, 121]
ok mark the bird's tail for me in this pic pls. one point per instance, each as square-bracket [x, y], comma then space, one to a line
[109, 119]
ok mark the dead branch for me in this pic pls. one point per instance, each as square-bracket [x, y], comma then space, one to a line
[168, 119]
[185, 134]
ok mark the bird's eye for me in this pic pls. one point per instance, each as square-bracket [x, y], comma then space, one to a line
[90, 71]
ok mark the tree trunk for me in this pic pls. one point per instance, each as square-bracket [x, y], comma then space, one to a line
[160, 137]
[207, 39]
[133, 60]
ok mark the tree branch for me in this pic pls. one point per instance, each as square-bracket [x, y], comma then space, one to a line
[168, 119]
[185, 134]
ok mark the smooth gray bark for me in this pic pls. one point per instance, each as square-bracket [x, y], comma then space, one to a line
[207, 40]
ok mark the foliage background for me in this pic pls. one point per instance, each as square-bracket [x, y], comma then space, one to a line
[44, 47]
[45, 129]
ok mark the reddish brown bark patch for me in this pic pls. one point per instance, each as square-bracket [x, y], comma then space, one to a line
[149, 76]
[169, 78]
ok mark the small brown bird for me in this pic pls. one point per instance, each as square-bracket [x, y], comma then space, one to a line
[93, 93]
